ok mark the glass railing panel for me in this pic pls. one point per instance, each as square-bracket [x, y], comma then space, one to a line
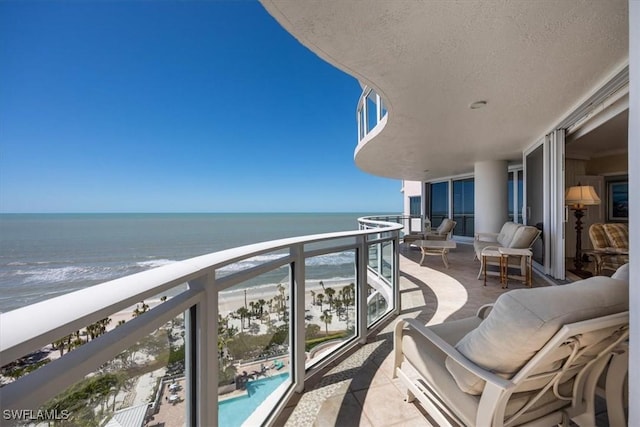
[377, 306]
[144, 384]
[330, 304]
[374, 255]
[372, 115]
[254, 338]
[380, 281]
[387, 260]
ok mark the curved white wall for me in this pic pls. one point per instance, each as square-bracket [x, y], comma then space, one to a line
[491, 208]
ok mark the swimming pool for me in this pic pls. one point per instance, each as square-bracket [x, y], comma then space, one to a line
[233, 412]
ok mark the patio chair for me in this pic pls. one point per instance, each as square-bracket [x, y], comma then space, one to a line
[610, 245]
[412, 237]
[532, 358]
[512, 235]
[443, 232]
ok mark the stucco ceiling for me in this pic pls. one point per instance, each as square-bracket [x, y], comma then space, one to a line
[532, 61]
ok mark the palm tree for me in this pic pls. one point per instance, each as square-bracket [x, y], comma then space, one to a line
[326, 318]
[261, 304]
[242, 312]
[330, 293]
[140, 309]
[337, 304]
[281, 290]
[313, 298]
[320, 297]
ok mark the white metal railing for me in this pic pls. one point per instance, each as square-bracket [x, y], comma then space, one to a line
[29, 329]
[370, 112]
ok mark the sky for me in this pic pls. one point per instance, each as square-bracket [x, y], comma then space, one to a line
[187, 106]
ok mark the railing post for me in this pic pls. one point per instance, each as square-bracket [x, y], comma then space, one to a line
[205, 350]
[361, 294]
[297, 289]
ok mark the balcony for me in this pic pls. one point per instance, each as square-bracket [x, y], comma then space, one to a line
[358, 389]
[343, 381]
[162, 344]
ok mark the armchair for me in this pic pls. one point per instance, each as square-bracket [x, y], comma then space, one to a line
[610, 245]
[533, 357]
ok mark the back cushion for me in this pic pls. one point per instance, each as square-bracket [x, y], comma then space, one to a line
[522, 321]
[444, 225]
[618, 235]
[622, 273]
[598, 236]
[523, 237]
[506, 233]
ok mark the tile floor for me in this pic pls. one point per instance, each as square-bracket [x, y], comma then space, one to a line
[358, 390]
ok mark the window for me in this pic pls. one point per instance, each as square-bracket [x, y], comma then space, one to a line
[438, 203]
[515, 196]
[414, 206]
[463, 207]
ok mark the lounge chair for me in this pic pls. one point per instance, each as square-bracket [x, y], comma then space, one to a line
[533, 357]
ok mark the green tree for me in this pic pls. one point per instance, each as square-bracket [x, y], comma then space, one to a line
[320, 298]
[326, 317]
[140, 309]
[330, 292]
[243, 313]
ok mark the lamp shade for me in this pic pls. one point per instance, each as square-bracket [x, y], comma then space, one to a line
[581, 195]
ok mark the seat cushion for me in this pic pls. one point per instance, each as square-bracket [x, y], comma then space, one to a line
[523, 320]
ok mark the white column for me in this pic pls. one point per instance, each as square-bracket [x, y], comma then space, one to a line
[490, 194]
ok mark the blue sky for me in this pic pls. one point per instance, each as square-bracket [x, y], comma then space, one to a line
[195, 106]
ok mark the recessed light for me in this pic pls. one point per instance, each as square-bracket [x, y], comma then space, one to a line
[478, 104]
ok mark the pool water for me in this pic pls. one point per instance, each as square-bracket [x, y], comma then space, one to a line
[233, 412]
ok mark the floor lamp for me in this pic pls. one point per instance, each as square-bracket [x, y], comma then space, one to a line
[578, 198]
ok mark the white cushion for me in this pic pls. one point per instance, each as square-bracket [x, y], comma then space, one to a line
[507, 232]
[523, 237]
[622, 273]
[523, 320]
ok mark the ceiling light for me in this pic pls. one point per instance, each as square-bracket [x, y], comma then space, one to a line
[478, 104]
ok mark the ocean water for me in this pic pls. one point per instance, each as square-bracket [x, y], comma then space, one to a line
[45, 255]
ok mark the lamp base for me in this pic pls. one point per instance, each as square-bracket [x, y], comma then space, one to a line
[583, 274]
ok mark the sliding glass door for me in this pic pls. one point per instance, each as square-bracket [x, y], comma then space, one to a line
[463, 207]
[439, 203]
[534, 165]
